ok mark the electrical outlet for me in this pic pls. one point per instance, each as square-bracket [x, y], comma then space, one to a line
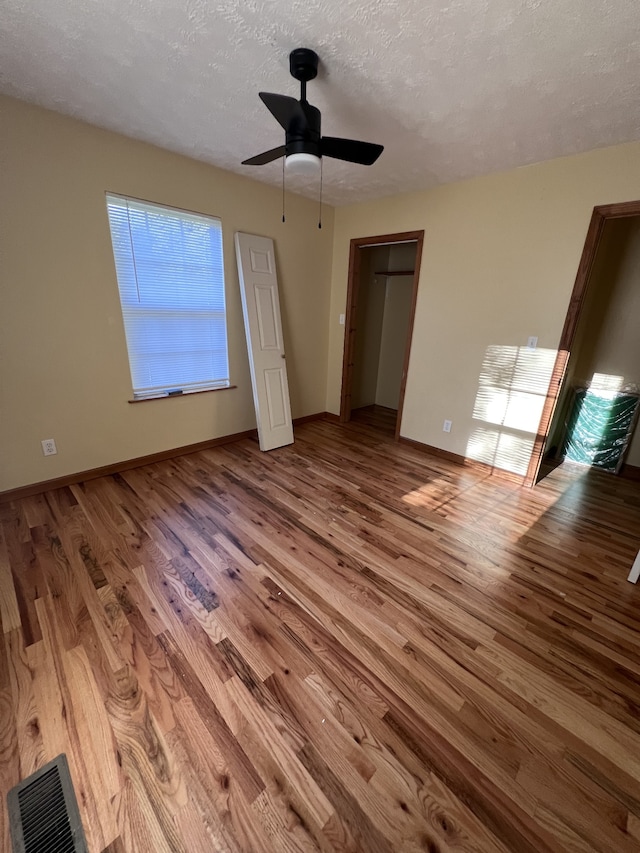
[49, 447]
[446, 426]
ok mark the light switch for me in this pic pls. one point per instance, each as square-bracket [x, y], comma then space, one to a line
[342, 319]
[532, 342]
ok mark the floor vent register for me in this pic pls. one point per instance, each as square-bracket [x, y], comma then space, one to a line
[43, 812]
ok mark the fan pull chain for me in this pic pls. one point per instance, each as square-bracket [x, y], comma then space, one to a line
[320, 211]
[283, 160]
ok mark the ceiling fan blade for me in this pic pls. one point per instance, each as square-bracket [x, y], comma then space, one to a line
[265, 157]
[365, 153]
[286, 110]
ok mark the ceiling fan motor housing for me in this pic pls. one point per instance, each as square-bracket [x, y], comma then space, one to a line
[302, 139]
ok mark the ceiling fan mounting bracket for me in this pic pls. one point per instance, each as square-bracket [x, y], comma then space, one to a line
[303, 64]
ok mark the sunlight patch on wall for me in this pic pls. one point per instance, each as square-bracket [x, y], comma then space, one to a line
[512, 409]
[512, 389]
[606, 382]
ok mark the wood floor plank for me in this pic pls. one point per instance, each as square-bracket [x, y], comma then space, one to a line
[62, 730]
[9, 743]
[9, 608]
[196, 827]
[277, 762]
[28, 579]
[140, 828]
[25, 709]
[92, 724]
[148, 762]
[600, 731]
[341, 645]
[213, 784]
[242, 767]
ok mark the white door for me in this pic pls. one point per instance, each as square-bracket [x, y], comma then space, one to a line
[261, 308]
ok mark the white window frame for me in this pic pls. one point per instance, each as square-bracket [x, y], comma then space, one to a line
[170, 272]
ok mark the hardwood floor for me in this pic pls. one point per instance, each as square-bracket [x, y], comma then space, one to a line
[340, 645]
[379, 418]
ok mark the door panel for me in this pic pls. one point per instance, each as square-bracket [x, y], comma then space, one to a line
[267, 313]
[274, 382]
[263, 326]
[260, 260]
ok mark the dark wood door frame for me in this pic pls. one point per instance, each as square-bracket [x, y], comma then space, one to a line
[601, 214]
[353, 290]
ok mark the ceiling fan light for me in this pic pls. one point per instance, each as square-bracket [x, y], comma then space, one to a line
[302, 164]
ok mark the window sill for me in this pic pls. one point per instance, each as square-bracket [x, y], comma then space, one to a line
[179, 396]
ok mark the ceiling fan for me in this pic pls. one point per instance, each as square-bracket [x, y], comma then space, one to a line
[304, 146]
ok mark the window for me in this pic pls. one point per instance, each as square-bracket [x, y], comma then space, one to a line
[170, 273]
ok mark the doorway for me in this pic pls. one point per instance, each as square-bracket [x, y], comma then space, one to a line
[576, 343]
[381, 301]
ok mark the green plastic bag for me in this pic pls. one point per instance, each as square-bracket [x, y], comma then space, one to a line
[599, 429]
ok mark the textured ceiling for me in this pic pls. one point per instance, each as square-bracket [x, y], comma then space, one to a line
[451, 89]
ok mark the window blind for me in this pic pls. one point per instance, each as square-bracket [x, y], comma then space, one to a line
[170, 272]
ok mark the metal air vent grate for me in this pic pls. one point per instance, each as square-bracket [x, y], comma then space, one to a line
[43, 812]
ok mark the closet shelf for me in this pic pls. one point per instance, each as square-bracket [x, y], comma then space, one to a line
[394, 272]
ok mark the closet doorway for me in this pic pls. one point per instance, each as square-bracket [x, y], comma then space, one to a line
[381, 303]
[581, 334]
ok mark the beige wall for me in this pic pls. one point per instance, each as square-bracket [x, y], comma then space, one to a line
[393, 339]
[395, 325]
[599, 290]
[371, 295]
[499, 262]
[64, 372]
[612, 311]
[402, 256]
